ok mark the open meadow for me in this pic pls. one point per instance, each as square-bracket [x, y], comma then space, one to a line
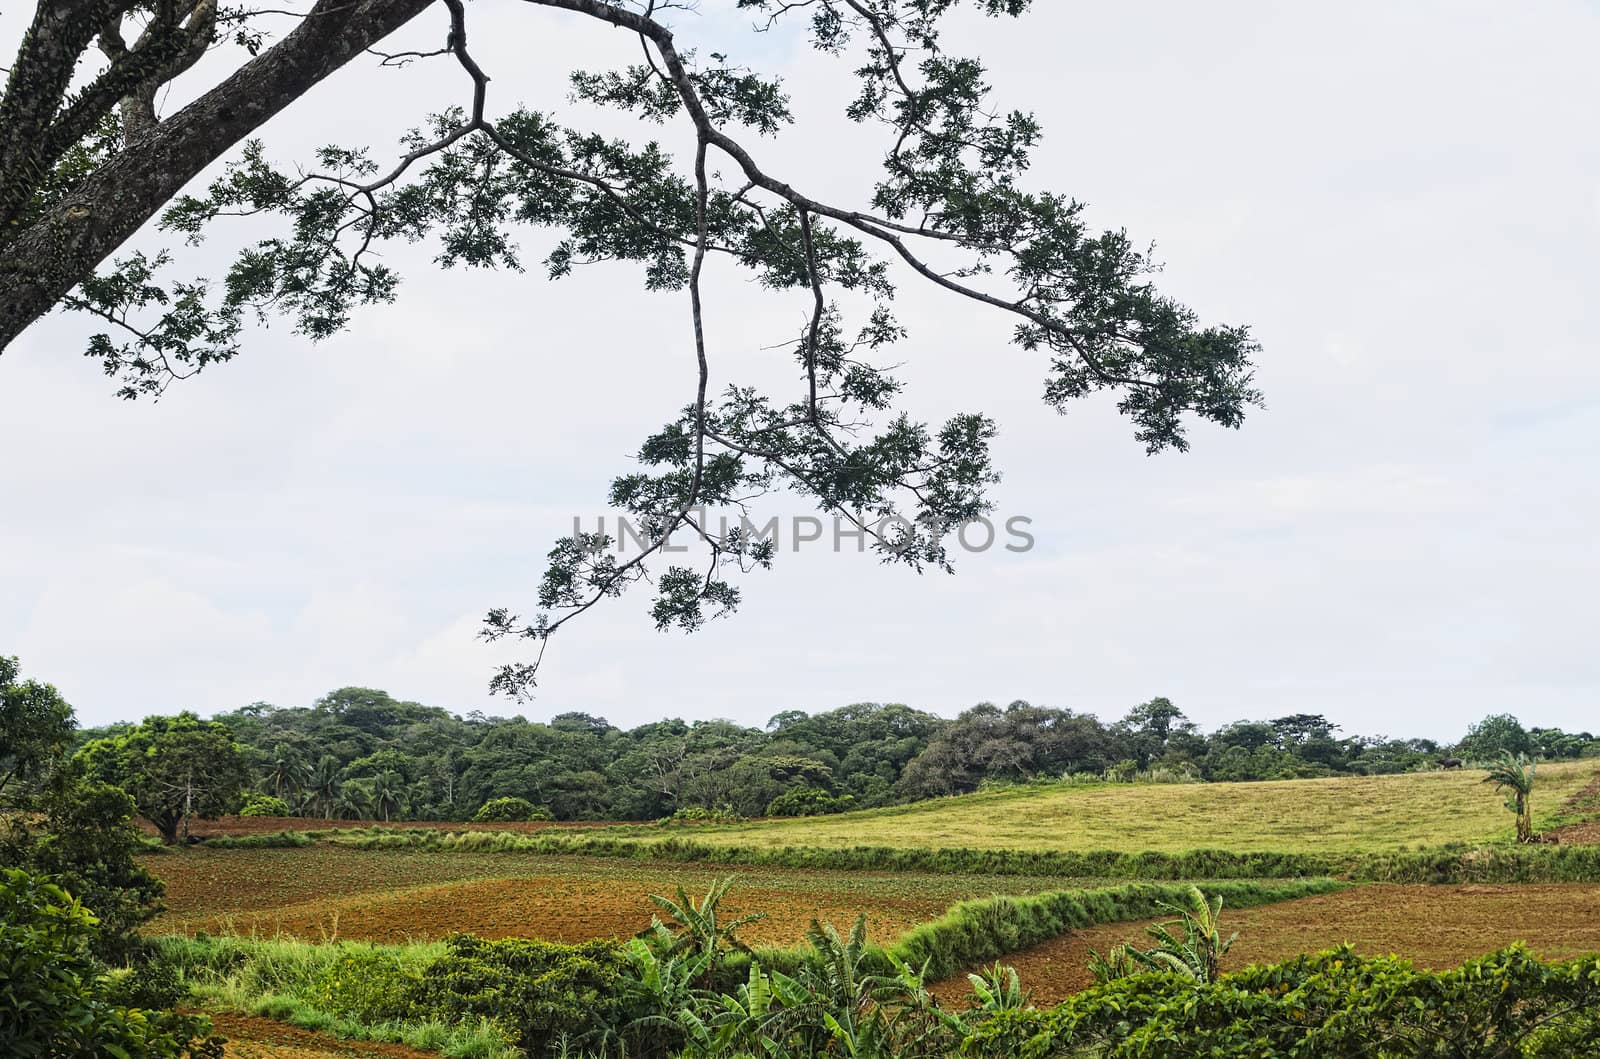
[1337, 814]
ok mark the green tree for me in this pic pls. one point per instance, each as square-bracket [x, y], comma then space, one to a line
[1496, 734]
[323, 785]
[85, 161]
[1513, 773]
[55, 1004]
[87, 841]
[287, 772]
[80, 833]
[35, 728]
[175, 768]
[388, 795]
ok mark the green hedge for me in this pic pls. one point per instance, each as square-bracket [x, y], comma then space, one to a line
[1448, 864]
[271, 840]
[974, 932]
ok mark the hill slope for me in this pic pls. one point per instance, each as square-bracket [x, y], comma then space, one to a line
[1290, 816]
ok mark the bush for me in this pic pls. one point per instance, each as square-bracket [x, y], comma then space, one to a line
[1332, 1003]
[264, 805]
[274, 840]
[809, 801]
[539, 992]
[504, 810]
[55, 1003]
[699, 814]
[86, 843]
[368, 984]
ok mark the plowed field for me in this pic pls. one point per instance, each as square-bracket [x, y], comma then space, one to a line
[324, 892]
[1435, 926]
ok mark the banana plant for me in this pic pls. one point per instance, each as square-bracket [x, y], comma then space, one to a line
[759, 1014]
[999, 988]
[1198, 953]
[698, 926]
[1118, 962]
[661, 989]
[1514, 775]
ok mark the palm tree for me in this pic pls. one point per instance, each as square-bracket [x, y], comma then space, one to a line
[1514, 775]
[286, 770]
[388, 795]
[322, 786]
[354, 801]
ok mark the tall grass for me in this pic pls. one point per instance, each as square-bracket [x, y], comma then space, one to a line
[277, 978]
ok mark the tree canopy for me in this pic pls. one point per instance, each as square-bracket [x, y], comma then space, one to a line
[37, 723]
[86, 160]
[359, 753]
[174, 767]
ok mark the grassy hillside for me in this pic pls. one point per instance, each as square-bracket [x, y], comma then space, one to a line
[1328, 815]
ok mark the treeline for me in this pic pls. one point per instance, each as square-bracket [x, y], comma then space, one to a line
[358, 753]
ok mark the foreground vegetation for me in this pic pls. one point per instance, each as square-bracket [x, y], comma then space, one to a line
[689, 988]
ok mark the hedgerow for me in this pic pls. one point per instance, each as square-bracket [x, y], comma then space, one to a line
[1449, 864]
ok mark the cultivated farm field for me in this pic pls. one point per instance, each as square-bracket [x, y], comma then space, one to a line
[402, 891]
[327, 891]
[1557, 921]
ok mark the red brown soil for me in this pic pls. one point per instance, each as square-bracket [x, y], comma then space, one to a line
[557, 908]
[253, 1038]
[1584, 803]
[1434, 926]
[266, 825]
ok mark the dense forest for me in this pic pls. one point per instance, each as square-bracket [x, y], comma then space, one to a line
[358, 753]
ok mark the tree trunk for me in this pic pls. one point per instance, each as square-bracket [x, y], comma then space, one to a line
[52, 255]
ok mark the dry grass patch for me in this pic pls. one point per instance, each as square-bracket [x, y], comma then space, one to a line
[1339, 814]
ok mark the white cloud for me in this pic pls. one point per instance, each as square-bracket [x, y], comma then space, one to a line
[1402, 540]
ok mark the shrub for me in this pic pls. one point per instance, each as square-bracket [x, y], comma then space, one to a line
[809, 801]
[274, 840]
[264, 805]
[55, 1003]
[368, 984]
[699, 814]
[1333, 1003]
[540, 992]
[504, 810]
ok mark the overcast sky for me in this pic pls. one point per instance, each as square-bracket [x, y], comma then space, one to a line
[1402, 199]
